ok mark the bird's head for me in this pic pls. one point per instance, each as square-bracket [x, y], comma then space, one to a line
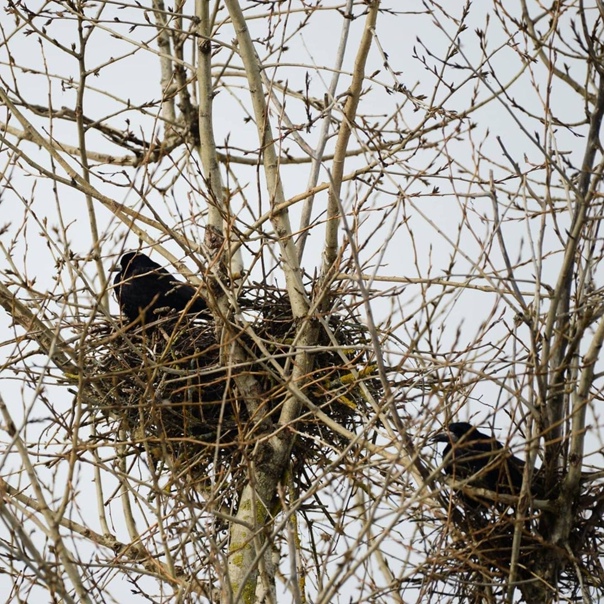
[127, 258]
[137, 259]
[134, 261]
[454, 433]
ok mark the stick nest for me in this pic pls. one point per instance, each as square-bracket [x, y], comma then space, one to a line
[171, 388]
[475, 547]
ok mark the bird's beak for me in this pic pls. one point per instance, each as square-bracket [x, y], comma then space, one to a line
[441, 437]
[115, 268]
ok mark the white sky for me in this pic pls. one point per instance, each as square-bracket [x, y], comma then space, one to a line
[415, 248]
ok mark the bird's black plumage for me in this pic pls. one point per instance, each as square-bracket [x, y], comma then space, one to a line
[487, 464]
[143, 288]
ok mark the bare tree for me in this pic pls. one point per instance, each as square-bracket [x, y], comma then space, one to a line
[393, 214]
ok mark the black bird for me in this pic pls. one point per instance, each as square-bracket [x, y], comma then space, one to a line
[480, 459]
[143, 288]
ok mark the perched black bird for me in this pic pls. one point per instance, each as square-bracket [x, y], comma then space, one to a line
[143, 287]
[487, 464]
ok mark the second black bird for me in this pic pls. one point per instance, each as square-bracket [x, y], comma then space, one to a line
[144, 289]
[480, 459]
